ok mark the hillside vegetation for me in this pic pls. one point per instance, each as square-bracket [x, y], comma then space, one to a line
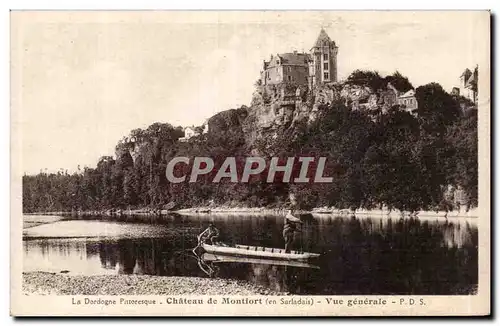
[377, 154]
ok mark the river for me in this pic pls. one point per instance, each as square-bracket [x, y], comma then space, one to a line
[359, 255]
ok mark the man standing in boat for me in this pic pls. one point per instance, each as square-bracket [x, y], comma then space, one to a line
[289, 229]
[209, 235]
[291, 225]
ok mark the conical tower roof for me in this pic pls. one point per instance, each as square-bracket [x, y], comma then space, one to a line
[322, 37]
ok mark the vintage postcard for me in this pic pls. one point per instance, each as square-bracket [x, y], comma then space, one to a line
[261, 163]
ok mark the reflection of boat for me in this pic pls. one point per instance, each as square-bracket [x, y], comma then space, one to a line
[208, 257]
[260, 252]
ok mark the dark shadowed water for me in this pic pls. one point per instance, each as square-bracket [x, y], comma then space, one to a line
[359, 256]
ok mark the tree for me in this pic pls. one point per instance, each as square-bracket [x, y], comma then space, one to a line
[367, 78]
[400, 82]
[436, 108]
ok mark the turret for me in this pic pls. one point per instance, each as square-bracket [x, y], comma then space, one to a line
[323, 65]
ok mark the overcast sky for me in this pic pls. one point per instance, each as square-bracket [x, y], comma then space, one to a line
[82, 81]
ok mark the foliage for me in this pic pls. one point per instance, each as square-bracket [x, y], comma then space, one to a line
[400, 82]
[436, 108]
[366, 78]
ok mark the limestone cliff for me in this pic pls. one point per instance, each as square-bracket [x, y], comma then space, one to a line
[277, 107]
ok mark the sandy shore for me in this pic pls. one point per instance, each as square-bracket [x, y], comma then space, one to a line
[45, 283]
[30, 221]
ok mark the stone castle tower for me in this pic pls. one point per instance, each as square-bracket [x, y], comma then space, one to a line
[323, 63]
[308, 69]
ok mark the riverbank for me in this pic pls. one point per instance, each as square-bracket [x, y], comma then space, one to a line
[323, 211]
[45, 283]
[320, 211]
[472, 213]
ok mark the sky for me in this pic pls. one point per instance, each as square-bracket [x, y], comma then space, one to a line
[82, 81]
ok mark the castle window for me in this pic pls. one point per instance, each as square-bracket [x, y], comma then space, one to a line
[325, 56]
[325, 65]
[326, 76]
[290, 78]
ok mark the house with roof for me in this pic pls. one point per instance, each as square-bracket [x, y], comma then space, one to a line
[468, 84]
[188, 133]
[408, 101]
[308, 69]
[286, 68]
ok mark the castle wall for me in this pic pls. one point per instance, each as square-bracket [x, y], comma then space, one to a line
[272, 75]
[317, 68]
[333, 63]
[295, 74]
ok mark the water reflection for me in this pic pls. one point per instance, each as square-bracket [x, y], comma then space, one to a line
[359, 256]
[63, 255]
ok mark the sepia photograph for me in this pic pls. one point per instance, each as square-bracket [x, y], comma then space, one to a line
[311, 160]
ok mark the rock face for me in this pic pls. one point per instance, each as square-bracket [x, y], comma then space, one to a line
[275, 107]
[227, 126]
[127, 152]
[225, 121]
[358, 97]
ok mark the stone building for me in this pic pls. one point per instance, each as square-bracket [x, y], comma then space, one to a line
[408, 101]
[307, 69]
[323, 63]
[286, 68]
[188, 133]
[468, 84]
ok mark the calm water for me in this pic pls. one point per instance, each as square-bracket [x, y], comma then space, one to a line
[360, 256]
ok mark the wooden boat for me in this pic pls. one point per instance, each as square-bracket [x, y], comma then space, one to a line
[249, 260]
[292, 218]
[260, 252]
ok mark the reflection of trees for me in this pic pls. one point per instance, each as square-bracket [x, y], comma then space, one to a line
[61, 254]
[108, 259]
[59, 248]
[382, 256]
[148, 256]
[126, 258]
